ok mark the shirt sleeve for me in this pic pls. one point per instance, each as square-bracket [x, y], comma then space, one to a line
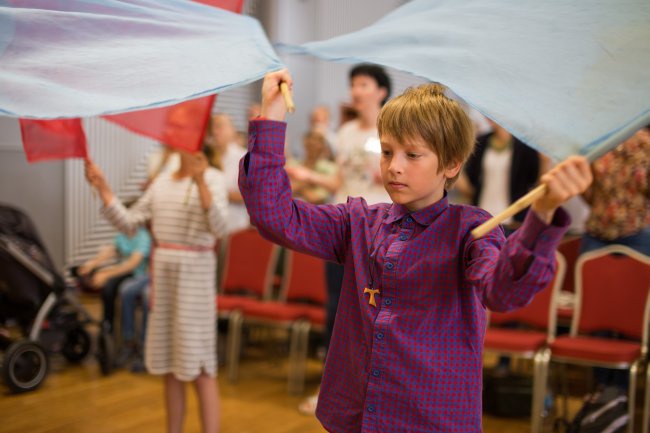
[506, 275]
[128, 220]
[217, 214]
[319, 230]
[142, 243]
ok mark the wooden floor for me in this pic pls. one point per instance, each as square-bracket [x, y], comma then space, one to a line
[78, 399]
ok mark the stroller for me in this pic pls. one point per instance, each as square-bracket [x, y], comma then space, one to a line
[35, 300]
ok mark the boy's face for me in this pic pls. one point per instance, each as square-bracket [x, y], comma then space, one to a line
[409, 172]
[366, 93]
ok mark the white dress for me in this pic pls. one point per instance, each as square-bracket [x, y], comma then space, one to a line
[181, 333]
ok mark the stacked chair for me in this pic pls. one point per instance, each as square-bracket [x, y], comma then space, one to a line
[612, 287]
[530, 341]
[246, 298]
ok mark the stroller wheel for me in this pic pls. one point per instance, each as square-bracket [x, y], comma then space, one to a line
[77, 344]
[105, 352]
[25, 366]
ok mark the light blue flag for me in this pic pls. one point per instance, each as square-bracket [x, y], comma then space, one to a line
[78, 58]
[565, 76]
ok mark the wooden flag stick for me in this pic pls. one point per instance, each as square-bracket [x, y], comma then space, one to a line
[513, 209]
[288, 100]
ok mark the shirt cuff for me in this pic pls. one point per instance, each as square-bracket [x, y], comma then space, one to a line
[269, 133]
[110, 208]
[536, 235]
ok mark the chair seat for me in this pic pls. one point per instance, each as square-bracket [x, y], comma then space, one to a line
[514, 340]
[232, 302]
[596, 349]
[316, 315]
[275, 311]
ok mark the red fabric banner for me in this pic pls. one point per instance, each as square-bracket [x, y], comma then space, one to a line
[180, 126]
[45, 140]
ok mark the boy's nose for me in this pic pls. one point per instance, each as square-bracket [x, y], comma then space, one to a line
[396, 166]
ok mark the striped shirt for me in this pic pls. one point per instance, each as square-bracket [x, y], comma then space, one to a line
[181, 337]
[413, 362]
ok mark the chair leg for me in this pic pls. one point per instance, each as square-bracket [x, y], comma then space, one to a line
[540, 379]
[631, 398]
[646, 404]
[235, 323]
[565, 393]
[298, 356]
[293, 355]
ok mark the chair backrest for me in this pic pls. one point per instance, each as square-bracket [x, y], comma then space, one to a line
[538, 313]
[612, 292]
[570, 249]
[250, 264]
[303, 279]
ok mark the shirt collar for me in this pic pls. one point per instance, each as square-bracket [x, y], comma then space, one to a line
[423, 217]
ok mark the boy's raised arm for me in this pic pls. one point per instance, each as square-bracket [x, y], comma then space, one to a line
[508, 277]
[317, 230]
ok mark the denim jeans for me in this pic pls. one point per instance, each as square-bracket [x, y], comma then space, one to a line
[132, 290]
[639, 241]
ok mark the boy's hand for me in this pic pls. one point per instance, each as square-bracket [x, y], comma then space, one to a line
[85, 269]
[99, 279]
[273, 107]
[566, 180]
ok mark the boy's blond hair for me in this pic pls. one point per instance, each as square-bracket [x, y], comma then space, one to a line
[425, 112]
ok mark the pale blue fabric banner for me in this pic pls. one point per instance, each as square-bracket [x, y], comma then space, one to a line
[565, 76]
[78, 58]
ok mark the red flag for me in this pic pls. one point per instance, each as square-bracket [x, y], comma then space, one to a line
[45, 140]
[180, 126]
[229, 5]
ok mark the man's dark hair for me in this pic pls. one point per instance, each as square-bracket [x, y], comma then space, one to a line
[375, 72]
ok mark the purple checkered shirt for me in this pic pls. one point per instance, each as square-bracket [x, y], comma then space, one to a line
[413, 362]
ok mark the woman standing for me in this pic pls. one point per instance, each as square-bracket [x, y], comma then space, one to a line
[187, 210]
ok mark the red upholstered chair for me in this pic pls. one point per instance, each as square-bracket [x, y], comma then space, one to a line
[249, 267]
[529, 342]
[570, 249]
[612, 293]
[300, 308]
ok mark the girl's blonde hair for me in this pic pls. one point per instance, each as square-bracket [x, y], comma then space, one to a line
[425, 112]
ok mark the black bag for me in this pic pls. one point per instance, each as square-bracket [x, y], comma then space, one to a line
[602, 412]
[508, 395]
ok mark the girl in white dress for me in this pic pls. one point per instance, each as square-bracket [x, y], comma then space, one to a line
[188, 211]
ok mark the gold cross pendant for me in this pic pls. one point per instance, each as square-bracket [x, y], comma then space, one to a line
[372, 292]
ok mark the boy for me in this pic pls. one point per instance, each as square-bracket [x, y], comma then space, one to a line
[406, 353]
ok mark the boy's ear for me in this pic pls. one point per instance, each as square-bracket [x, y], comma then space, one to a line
[453, 169]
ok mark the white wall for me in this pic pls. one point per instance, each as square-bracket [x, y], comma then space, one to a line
[36, 189]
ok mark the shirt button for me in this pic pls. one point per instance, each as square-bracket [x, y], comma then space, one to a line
[387, 302]
[371, 408]
[389, 265]
[375, 372]
[403, 237]
[380, 335]
[409, 219]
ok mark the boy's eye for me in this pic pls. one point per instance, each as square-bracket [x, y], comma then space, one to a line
[413, 155]
[386, 152]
